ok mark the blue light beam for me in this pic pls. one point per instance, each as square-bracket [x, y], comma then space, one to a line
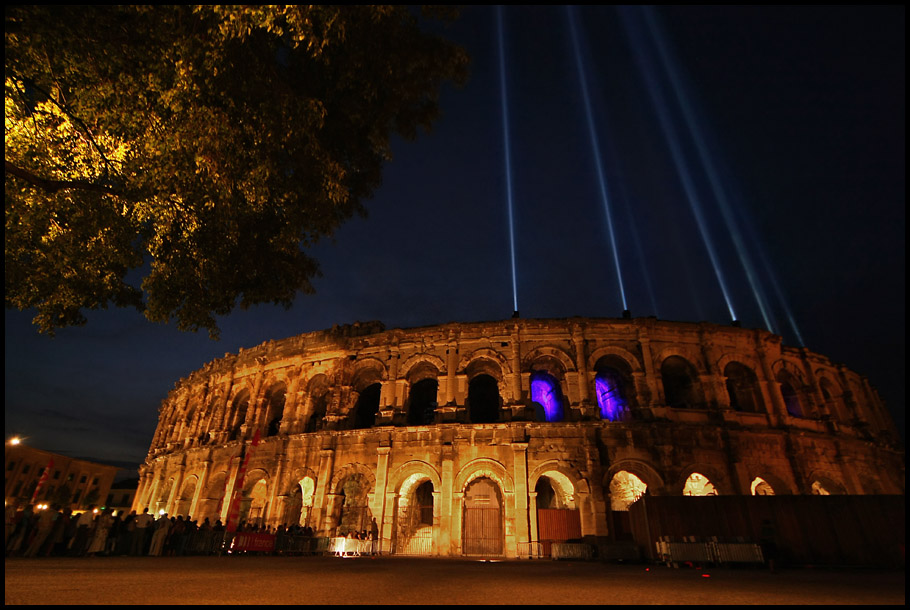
[595, 148]
[674, 143]
[707, 160]
[508, 153]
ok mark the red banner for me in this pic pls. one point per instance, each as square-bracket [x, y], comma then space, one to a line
[42, 480]
[234, 512]
[243, 541]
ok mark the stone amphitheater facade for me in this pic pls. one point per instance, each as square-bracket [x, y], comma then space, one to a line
[464, 438]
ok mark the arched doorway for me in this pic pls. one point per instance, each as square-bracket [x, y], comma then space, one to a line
[415, 535]
[355, 511]
[252, 506]
[483, 400]
[699, 485]
[557, 518]
[422, 403]
[483, 530]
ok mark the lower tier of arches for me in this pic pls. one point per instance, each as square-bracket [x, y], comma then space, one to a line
[498, 489]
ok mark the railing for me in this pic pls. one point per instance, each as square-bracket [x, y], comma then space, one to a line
[674, 553]
[530, 550]
[571, 550]
[415, 546]
[351, 547]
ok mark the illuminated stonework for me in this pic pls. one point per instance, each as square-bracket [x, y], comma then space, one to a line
[486, 438]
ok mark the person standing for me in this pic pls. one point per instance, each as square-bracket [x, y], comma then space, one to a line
[99, 539]
[140, 535]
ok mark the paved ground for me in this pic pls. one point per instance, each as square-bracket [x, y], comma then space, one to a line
[329, 580]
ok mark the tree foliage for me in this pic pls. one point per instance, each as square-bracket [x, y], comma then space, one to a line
[209, 146]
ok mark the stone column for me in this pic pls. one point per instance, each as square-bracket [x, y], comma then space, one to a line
[650, 374]
[326, 467]
[203, 481]
[516, 366]
[175, 489]
[233, 471]
[448, 521]
[777, 414]
[581, 363]
[451, 365]
[271, 517]
[520, 476]
[380, 496]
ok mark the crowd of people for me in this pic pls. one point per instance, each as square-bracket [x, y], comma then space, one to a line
[55, 532]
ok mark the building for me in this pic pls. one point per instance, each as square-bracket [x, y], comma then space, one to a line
[69, 482]
[122, 495]
[490, 438]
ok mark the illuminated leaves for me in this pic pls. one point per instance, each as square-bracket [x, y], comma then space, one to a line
[205, 145]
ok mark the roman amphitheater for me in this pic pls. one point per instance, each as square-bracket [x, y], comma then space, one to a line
[483, 438]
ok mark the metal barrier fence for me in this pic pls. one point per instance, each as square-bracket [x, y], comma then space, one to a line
[530, 550]
[351, 547]
[708, 552]
[415, 546]
[571, 550]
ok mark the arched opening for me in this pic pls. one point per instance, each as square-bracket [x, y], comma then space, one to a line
[355, 510]
[253, 504]
[238, 410]
[415, 536]
[319, 405]
[761, 487]
[834, 400]
[823, 486]
[678, 378]
[274, 412]
[625, 489]
[546, 392]
[367, 406]
[185, 501]
[792, 399]
[557, 518]
[300, 502]
[483, 529]
[483, 402]
[608, 387]
[422, 403]
[742, 388]
[698, 485]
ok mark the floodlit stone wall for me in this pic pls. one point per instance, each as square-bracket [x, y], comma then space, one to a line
[356, 423]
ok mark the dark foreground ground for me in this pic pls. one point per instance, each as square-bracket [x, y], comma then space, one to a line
[331, 580]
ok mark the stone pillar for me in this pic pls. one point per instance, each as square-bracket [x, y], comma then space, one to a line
[289, 423]
[203, 481]
[271, 516]
[532, 517]
[516, 366]
[650, 374]
[520, 476]
[777, 414]
[445, 544]
[380, 497]
[175, 489]
[326, 467]
[233, 471]
[581, 363]
[140, 500]
[455, 523]
[451, 365]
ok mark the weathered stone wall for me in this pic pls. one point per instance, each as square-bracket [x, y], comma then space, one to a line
[330, 411]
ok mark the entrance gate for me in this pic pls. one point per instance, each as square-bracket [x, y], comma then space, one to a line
[483, 519]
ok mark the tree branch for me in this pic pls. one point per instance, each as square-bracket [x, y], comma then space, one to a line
[52, 186]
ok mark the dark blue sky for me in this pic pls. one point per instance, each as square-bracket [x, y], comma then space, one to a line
[803, 111]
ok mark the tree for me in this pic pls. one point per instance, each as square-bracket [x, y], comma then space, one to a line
[208, 146]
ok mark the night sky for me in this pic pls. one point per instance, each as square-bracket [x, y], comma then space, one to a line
[802, 110]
